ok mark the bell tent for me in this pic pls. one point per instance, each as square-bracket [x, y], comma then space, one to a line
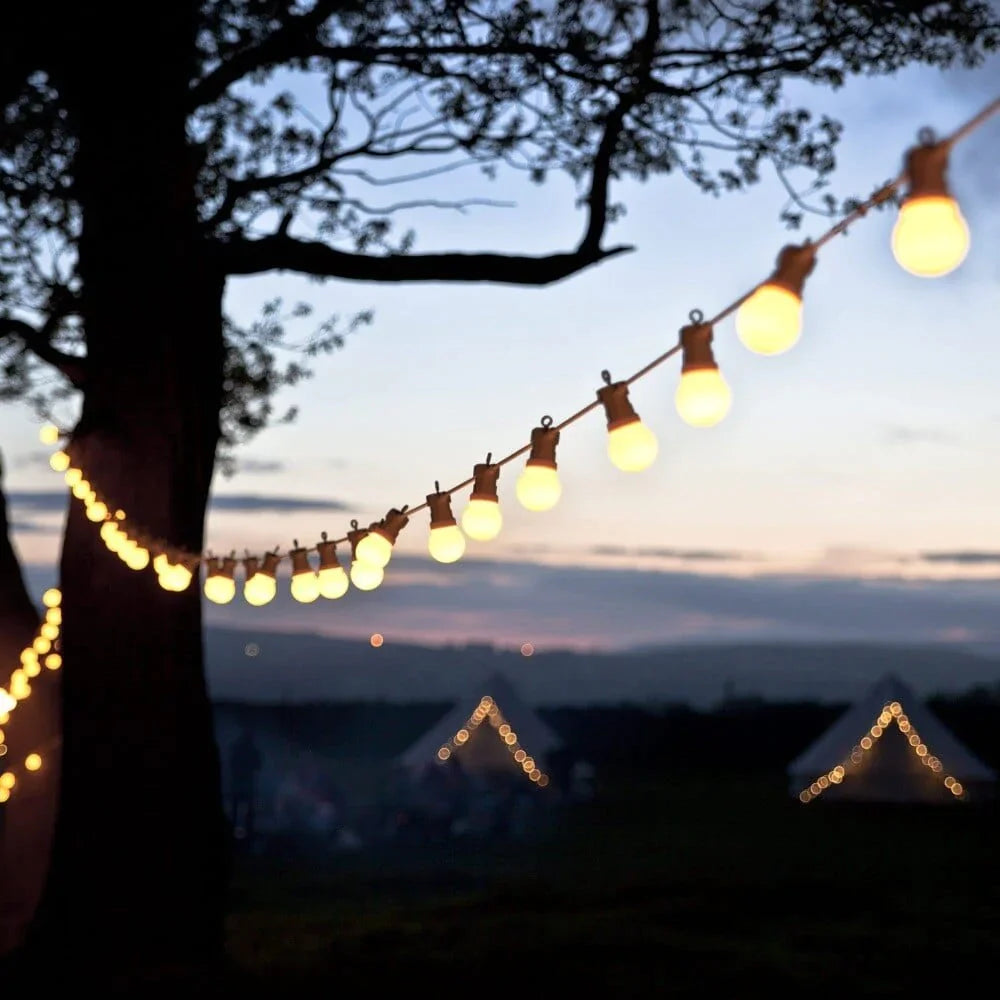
[491, 730]
[889, 747]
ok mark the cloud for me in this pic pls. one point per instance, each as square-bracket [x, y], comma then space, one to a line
[624, 607]
[260, 466]
[966, 558]
[33, 528]
[898, 434]
[684, 555]
[279, 504]
[54, 501]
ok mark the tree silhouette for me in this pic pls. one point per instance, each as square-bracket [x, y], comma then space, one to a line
[147, 158]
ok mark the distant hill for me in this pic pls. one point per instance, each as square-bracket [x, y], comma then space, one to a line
[264, 666]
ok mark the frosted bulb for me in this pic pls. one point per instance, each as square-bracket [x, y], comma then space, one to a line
[180, 578]
[32, 762]
[81, 488]
[538, 487]
[305, 587]
[374, 550]
[220, 589]
[365, 576]
[42, 645]
[166, 578]
[49, 434]
[260, 589]
[446, 544]
[97, 512]
[482, 520]
[137, 558]
[930, 237]
[52, 597]
[32, 669]
[632, 447]
[770, 321]
[72, 477]
[59, 462]
[333, 582]
[703, 397]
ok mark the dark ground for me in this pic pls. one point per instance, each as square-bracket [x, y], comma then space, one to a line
[698, 885]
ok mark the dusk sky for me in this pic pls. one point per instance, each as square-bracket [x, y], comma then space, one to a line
[853, 491]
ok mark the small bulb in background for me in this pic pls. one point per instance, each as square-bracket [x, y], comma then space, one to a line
[703, 397]
[632, 446]
[770, 320]
[364, 575]
[482, 519]
[538, 487]
[49, 434]
[59, 461]
[930, 237]
[261, 584]
[445, 543]
[333, 580]
[220, 583]
[305, 582]
[376, 547]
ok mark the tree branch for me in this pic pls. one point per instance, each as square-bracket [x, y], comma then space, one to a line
[74, 369]
[283, 253]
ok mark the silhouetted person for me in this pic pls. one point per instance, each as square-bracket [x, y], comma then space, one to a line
[244, 765]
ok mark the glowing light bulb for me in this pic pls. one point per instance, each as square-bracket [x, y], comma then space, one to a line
[52, 597]
[180, 577]
[446, 543]
[53, 661]
[59, 461]
[32, 669]
[365, 576]
[930, 237]
[260, 589]
[375, 549]
[482, 519]
[538, 487]
[97, 512]
[703, 397]
[33, 762]
[220, 589]
[632, 447]
[770, 321]
[48, 434]
[333, 582]
[8, 780]
[72, 477]
[137, 558]
[50, 631]
[305, 587]
[80, 488]
[161, 564]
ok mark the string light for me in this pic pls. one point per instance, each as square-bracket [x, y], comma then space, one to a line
[364, 575]
[445, 543]
[376, 546]
[929, 238]
[261, 579]
[49, 434]
[770, 320]
[632, 446]
[488, 710]
[482, 519]
[220, 582]
[892, 712]
[703, 397]
[305, 582]
[538, 487]
[333, 581]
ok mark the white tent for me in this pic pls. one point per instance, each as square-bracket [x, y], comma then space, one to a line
[492, 729]
[889, 747]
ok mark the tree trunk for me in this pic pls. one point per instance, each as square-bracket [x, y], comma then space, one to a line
[26, 822]
[138, 875]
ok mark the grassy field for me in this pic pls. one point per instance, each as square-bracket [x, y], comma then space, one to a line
[694, 886]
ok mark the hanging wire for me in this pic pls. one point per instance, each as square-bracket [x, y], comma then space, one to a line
[881, 195]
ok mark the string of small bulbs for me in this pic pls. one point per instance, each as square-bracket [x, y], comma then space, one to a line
[930, 238]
